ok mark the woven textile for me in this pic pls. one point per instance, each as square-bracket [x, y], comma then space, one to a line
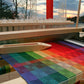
[5, 67]
[61, 64]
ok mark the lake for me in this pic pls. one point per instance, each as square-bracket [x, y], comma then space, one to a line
[80, 25]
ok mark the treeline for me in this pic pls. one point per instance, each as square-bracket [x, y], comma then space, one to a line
[6, 11]
[81, 19]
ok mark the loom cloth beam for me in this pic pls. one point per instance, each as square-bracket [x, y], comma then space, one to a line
[37, 33]
[35, 23]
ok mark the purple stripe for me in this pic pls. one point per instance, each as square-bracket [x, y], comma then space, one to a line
[69, 44]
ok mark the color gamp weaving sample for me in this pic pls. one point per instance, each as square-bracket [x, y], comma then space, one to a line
[63, 63]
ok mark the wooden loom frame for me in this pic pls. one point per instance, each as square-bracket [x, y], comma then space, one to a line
[10, 35]
[35, 24]
[40, 32]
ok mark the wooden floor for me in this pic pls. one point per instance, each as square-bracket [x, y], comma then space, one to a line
[15, 81]
[12, 78]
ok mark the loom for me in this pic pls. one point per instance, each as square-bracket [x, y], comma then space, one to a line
[60, 64]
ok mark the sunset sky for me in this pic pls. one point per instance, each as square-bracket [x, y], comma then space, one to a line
[72, 7]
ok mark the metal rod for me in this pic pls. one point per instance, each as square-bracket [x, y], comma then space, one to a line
[79, 6]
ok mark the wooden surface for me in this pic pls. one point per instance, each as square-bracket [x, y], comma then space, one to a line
[15, 81]
[11, 78]
[38, 23]
[37, 33]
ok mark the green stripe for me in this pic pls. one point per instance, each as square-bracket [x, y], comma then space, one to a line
[58, 77]
[63, 71]
[48, 80]
[34, 55]
[18, 58]
[7, 67]
[4, 69]
[71, 76]
[1, 71]
[26, 56]
[47, 62]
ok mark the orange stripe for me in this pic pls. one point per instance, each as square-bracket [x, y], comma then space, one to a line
[55, 56]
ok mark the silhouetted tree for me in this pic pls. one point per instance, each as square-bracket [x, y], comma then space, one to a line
[81, 19]
[5, 10]
[72, 19]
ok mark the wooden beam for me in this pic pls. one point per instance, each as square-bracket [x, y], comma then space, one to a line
[35, 24]
[17, 80]
[36, 33]
[79, 6]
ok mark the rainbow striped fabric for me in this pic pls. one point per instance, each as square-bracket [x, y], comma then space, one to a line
[61, 64]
